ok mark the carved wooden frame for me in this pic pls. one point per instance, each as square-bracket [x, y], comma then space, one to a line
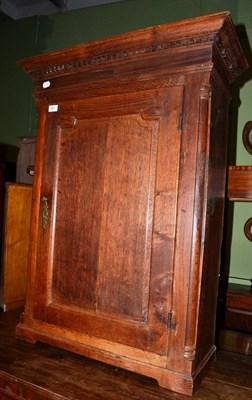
[248, 229]
[247, 136]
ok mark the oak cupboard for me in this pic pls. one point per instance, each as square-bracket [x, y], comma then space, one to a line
[128, 197]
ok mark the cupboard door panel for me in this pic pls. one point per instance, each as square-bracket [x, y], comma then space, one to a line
[127, 217]
[78, 213]
[106, 276]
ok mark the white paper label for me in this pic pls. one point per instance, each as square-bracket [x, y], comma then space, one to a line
[46, 84]
[53, 108]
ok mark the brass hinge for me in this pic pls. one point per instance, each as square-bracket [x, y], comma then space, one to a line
[180, 121]
[171, 324]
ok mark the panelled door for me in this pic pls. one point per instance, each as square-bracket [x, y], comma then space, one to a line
[107, 221]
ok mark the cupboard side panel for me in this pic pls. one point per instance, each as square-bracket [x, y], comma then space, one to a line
[214, 217]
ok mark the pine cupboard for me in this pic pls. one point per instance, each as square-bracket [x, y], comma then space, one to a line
[16, 226]
[128, 197]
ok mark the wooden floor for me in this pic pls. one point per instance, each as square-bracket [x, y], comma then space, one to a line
[43, 372]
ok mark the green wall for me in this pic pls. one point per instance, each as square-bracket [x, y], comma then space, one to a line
[17, 40]
[31, 36]
[241, 248]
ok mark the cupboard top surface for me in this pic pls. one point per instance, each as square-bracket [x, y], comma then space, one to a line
[196, 35]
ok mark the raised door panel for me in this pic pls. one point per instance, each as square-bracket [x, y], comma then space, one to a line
[110, 236]
[108, 216]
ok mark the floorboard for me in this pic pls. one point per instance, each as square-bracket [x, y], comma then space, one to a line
[44, 372]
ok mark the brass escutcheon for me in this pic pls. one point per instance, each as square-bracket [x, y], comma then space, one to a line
[45, 209]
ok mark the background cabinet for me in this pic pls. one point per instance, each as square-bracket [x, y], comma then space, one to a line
[128, 197]
[15, 245]
[25, 159]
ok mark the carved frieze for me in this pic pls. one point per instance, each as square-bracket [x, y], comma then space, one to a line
[100, 59]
